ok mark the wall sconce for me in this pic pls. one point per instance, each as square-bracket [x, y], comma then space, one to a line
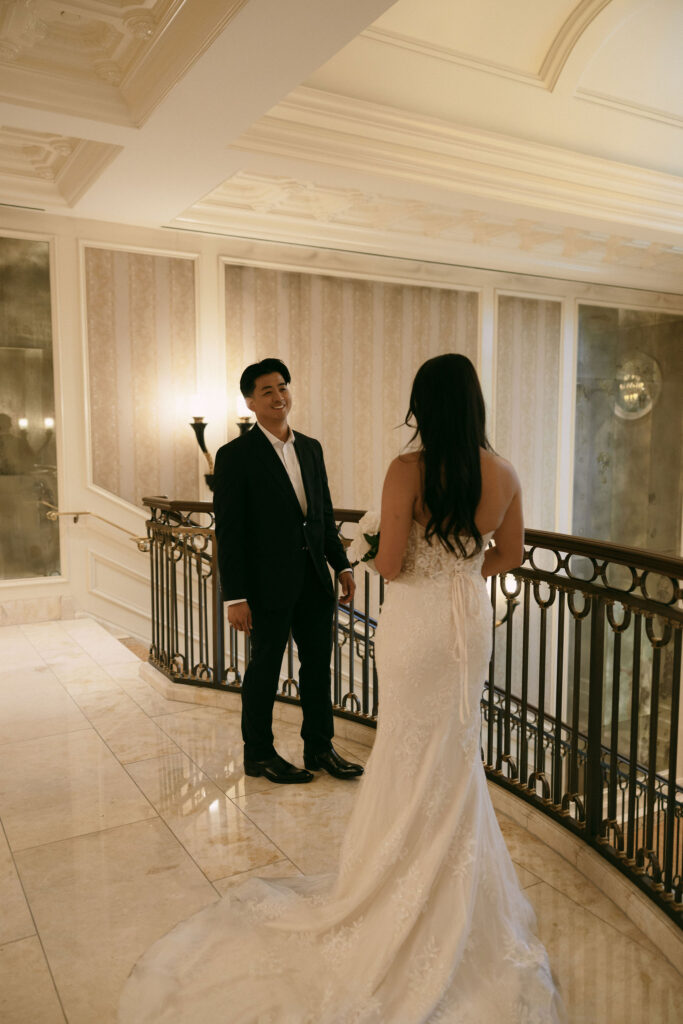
[199, 426]
[244, 421]
[22, 423]
[638, 385]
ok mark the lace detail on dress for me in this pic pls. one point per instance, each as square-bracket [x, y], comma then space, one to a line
[424, 922]
[429, 559]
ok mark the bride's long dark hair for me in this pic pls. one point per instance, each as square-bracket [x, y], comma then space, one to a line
[448, 412]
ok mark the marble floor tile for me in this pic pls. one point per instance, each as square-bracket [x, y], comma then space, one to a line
[15, 917]
[76, 667]
[64, 785]
[147, 698]
[604, 975]
[525, 877]
[93, 694]
[217, 834]
[27, 992]
[100, 901]
[531, 853]
[212, 738]
[15, 650]
[306, 823]
[131, 734]
[33, 703]
[282, 868]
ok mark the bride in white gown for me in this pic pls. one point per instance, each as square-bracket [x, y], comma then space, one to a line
[424, 921]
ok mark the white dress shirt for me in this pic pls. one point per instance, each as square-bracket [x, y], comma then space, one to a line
[286, 452]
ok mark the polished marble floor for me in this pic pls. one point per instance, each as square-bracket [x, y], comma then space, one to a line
[122, 813]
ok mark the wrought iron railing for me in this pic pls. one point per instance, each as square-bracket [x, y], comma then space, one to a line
[581, 710]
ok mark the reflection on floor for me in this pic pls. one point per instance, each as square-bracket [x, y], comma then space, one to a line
[123, 812]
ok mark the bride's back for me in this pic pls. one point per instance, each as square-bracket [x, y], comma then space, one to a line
[498, 486]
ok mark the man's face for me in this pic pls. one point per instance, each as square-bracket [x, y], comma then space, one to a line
[271, 400]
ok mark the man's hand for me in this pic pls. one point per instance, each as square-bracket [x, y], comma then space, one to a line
[239, 616]
[348, 587]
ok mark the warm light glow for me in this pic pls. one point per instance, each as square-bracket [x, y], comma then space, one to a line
[23, 423]
[49, 423]
[197, 405]
[243, 410]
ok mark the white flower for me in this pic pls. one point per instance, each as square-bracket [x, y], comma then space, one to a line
[357, 548]
[369, 523]
[364, 545]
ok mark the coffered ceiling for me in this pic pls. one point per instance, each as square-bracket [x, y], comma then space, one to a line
[541, 135]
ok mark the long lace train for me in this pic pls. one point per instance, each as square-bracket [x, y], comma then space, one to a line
[424, 923]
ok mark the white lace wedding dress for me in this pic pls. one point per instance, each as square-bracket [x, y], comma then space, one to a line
[425, 921]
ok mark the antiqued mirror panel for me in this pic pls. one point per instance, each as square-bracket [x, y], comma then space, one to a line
[29, 541]
[628, 458]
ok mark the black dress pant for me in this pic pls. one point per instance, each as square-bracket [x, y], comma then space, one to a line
[309, 617]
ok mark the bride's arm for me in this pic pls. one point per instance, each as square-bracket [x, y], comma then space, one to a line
[398, 500]
[508, 539]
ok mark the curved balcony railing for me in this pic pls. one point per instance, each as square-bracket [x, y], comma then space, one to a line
[581, 709]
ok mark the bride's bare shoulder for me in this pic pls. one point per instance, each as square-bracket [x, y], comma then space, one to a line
[496, 467]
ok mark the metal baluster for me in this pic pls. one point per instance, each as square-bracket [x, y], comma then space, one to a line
[336, 650]
[190, 607]
[508, 687]
[573, 788]
[187, 658]
[219, 673]
[631, 841]
[559, 701]
[490, 758]
[366, 658]
[153, 582]
[596, 677]
[673, 866]
[375, 681]
[649, 850]
[351, 695]
[524, 740]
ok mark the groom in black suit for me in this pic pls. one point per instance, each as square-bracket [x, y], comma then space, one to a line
[276, 535]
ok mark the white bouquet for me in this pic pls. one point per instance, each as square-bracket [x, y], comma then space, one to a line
[365, 544]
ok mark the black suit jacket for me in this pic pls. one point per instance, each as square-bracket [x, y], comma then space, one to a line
[260, 528]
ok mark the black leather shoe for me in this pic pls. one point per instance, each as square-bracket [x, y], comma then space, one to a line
[330, 761]
[276, 769]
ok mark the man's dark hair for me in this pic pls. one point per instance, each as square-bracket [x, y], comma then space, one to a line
[256, 370]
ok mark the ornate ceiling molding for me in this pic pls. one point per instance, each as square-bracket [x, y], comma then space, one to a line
[286, 209]
[36, 167]
[551, 67]
[566, 39]
[111, 60]
[325, 128]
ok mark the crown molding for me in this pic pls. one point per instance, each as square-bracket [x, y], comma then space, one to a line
[84, 167]
[388, 37]
[51, 169]
[629, 107]
[321, 127]
[566, 39]
[551, 67]
[186, 34]
[304, 213]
